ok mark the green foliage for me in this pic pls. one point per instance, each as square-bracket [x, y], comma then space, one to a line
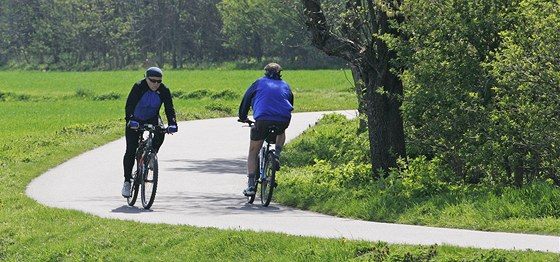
[338, 142]
[226, 94]
[196, 94]
[527, 98]
[481, 89]
[108, 96]
[7, 96]
[424, 178]
[219, 107]
[84, 93]
[90, 94]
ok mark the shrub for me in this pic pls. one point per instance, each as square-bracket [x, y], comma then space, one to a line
[225, 94]
[108, 96]
[80, 92]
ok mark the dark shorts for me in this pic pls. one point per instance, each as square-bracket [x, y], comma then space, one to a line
[260, 129]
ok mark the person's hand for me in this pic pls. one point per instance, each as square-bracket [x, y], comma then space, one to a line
[133, 124]
[172, 129]
[246, 120]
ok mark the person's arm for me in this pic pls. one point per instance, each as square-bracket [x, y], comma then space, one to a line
[133, 98]
[247, 101]
[291, 98]
[169, 108]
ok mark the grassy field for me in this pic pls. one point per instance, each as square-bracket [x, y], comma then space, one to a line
[49, 117]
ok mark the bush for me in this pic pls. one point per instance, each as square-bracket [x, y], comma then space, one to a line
[334, 139]
[108, 96]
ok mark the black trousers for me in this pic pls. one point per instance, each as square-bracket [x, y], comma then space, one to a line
[132, 137]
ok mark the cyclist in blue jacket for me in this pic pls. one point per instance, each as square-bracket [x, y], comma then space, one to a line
[142, 107]
[272, 101]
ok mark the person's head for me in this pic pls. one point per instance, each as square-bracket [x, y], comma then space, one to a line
[154, 77]
[272, 70]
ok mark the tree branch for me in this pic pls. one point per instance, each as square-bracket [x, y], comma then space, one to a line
[323, 38]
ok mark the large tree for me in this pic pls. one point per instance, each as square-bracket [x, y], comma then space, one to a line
[359, 40]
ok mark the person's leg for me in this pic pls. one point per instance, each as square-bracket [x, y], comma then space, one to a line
[252, 161]
[128, 159]
[129, 155]
[158, 141]
[280, 140]
[257, 139]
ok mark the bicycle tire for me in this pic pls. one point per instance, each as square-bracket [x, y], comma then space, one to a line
[251, 199]
[268, 183]
[131, 200]
[149, 181]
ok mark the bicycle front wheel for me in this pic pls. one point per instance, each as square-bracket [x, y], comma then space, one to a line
[149, 183]
[268, 183]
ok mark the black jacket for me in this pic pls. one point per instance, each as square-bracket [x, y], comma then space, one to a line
[138, 90]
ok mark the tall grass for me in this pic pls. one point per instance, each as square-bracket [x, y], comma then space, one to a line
[49, 117]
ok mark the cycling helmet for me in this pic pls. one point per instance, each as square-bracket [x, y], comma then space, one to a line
[154, 71]
[272, 70]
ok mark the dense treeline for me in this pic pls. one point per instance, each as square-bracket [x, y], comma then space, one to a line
[482, 89]
[111, 34]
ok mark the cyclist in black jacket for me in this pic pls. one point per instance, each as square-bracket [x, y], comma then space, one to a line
[142, 107]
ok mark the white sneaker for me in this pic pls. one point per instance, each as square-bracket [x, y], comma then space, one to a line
[249, 191]
[126, 189]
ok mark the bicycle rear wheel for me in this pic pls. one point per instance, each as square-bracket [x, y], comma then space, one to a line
[268, 183]
[149, 183]
[131, 200]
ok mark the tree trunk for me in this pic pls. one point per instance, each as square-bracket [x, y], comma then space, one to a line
[371, 61]
[384, 119]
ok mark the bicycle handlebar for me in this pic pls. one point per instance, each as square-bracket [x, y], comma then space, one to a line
[154, 128]
[248, 121]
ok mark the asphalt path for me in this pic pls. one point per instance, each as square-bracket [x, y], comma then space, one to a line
[202, 176]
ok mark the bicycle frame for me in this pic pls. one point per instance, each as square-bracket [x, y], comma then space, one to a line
[265, 149]
[144, 146]
[146, 165]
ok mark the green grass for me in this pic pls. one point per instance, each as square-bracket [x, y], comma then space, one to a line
[326, 172]
[49, 117]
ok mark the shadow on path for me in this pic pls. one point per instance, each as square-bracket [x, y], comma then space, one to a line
[214, 165]
[131, 210]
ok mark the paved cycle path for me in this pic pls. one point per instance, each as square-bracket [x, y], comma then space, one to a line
[202, 175]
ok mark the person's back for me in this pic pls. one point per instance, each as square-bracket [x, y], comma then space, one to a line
[272, 100]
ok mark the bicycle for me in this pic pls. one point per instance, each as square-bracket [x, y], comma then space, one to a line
[268, 164]
[145, 177]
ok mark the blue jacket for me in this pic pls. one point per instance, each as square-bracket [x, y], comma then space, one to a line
[271, 99]
[143, 104]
